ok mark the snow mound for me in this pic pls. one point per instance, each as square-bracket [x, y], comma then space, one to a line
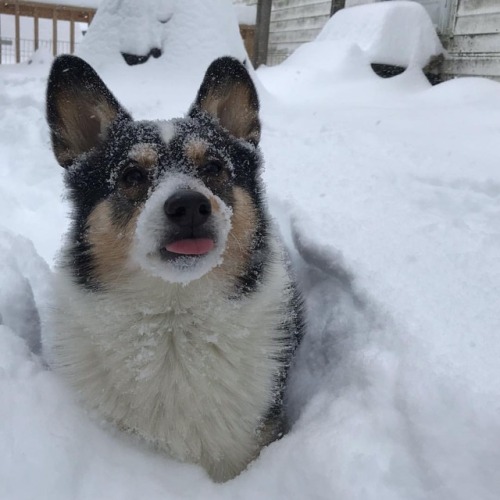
[399, 33]
[190, 33]
[42, 55]
[23, 274]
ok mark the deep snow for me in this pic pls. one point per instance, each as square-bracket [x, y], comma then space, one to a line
[388, 196]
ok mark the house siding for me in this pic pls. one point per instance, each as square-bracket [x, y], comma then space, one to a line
[294, 22]
[474, 40]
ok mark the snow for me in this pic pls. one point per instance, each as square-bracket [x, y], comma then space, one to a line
[387, 193]
[399, 32]
[246, 14]
[190, 33]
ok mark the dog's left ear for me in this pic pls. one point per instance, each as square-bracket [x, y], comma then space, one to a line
[80, 108]
[229, 94]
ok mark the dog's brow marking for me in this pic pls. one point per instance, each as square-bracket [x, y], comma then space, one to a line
[196, 151]
[144, 154]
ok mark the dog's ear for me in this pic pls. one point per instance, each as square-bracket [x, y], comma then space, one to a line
[229, 94]
[80, 108]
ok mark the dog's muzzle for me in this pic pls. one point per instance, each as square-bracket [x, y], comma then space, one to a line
[187, 211]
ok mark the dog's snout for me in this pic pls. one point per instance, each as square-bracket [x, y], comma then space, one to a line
[188, 208]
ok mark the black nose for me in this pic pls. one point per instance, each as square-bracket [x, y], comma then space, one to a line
[188, 208]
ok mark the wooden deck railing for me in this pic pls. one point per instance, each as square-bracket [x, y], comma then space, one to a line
[55, 12]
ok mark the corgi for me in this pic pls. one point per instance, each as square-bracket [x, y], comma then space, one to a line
[175, 314]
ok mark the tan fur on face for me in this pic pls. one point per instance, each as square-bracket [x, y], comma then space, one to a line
[214, 204]
[111, 245]
[196, 151]
[144, 154]
[241, 235]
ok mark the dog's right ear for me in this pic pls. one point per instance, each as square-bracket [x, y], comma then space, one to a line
[229, 95]
[80, 108]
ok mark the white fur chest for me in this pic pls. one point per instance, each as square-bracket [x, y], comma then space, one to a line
[183, 367]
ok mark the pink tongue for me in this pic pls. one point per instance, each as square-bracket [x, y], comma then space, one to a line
[198, 246]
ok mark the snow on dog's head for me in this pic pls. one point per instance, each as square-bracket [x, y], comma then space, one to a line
[176, 199]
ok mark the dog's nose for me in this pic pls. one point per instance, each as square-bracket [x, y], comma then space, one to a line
[188, 208]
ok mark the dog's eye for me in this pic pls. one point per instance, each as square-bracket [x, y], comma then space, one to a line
[212, 168]
[133, 176]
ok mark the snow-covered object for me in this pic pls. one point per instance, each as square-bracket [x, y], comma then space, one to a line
[246, 14]
[399, 33]
[190, 33]
[41, 56]
[21, 271]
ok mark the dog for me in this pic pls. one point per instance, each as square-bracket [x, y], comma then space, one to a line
[175, 317]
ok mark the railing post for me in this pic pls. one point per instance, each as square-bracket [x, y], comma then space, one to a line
[262, 31]
[18, 34]
[72, 35]
[37, 33]
[54, 33]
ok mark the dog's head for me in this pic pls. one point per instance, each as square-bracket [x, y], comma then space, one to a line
[178, 199]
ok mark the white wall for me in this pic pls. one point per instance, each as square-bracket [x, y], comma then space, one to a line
[475, 46]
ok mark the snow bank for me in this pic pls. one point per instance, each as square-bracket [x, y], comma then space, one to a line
[399, 33]
[42, 55]
[395, 248]
[23, 273]
[30, 181]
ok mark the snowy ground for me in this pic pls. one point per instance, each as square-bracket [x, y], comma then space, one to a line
[388, 195]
